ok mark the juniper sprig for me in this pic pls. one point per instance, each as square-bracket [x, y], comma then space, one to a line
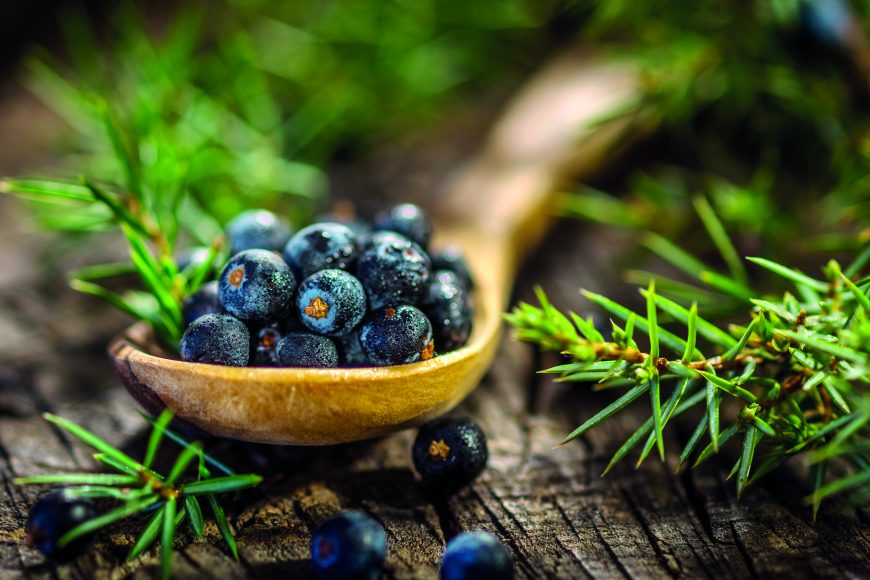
[150, 245]
[138, 488]
[797, 371]
[169, 159]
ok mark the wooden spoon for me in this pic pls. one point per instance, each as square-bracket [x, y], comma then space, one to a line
[494, 209]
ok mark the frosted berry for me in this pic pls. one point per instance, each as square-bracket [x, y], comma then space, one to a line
[321, 246]
[305, 349]
[449, 453]
[256, 286]
[331, 302]
[203, 301]
[446, 304]
[257, 229]
[396, 336]
[394, 273]
[265, 347]
[453, 259]
[379, 237]
[408, 220]
[217, 339]
[53, 515]
[476, 556]
[349, 545]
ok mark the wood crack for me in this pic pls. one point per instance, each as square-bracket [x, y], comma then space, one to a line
[8, 473]
[43, 407]
[647, 531]
[575, 531]
[696, 503]
[744, 553]
[506, 534]
[614, 558]
[193, 563]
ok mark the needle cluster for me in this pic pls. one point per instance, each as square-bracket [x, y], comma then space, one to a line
[795, 374]
[137, 488]
[164, 284]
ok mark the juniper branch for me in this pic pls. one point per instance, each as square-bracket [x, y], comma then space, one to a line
[140, 488]
[797, 371]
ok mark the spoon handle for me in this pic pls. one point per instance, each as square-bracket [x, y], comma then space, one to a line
[546, 136]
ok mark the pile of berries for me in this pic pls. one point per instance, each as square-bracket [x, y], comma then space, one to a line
[333, 294]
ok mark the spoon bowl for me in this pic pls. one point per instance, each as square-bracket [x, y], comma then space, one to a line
[495, 208]
[302, 406]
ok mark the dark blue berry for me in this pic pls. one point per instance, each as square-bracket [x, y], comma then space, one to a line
[203, 301]
[217, 339]
[53, 515]
[321, 246]
[193, 258]
[408, 220]
[349, 545]
[829, 22]
[257, 229]
[344, 213]
[449, 453]
[396, 336]
[351, 352]
[331, 302]
[453, 259]
[394, 273]
[476, 556]
[379, 237]
[265, 348]
[305, 349]
[448, 277]
[256, 286]
[446, 304]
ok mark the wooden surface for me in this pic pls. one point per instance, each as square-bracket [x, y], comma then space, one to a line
[548, 505]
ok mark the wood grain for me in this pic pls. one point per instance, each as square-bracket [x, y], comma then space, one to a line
[549, 506]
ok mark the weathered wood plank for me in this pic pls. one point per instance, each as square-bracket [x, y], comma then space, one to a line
[648, 522]
[548, 505]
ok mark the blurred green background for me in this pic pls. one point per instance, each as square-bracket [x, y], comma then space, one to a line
[761, 106]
